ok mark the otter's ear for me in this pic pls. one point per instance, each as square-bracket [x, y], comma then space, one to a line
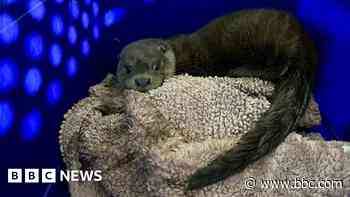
[170, 63]
[169, 55]
[163, 48]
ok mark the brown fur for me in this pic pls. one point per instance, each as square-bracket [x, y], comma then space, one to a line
[268, 44]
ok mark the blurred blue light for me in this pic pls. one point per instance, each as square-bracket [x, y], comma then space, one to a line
[72, 67]
[57, 25]
[96, 32]
[85, 47]
[59, 1]
[85, 20]
[95, 8]
[74, 8]
[149, 1]
[54, 92]
[114, 16]
[37, 9]
[327, 16]
[87, 2]
[32, 81]
[72, 35]
[6, 117]
[31, 125]
[55, 55]
[34, 46]
[334, 72]
[8, 29]
[7, 2]
[8, 75]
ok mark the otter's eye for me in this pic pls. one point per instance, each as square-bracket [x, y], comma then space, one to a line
[127, 69]
[155, 67]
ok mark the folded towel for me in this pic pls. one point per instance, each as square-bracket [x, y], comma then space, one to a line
[147, 144]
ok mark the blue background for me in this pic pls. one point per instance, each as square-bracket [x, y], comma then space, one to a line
[53, 50]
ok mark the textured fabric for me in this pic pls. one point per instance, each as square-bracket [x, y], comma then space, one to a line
[148, 144]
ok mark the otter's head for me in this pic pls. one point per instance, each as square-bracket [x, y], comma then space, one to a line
[144, 64]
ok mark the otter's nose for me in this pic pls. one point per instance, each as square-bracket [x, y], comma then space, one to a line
[142, 82]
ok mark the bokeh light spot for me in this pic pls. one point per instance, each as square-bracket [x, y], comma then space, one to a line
[85, 20]
[57, 25]
[149, 1]
[74, 8]
[96, 32]
[7, 2]
[114, 16]
[54, 92]
[8, 29]
[32, 81]
[8, 75]
[59, 1]
[31, 125]
[71, 67]
[37, 9]
[34, 46]
[87, 2]
[72, 35]
[55, 55]
[85, 47]
[6, 117]
[95, 8]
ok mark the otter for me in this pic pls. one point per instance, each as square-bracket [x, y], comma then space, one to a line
[265, 43]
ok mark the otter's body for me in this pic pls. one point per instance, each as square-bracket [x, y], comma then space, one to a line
[262, 40]
[268, 44]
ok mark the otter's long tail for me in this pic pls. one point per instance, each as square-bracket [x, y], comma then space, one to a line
[289, 102]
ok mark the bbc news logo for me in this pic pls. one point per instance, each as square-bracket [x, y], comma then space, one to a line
[18, 175]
